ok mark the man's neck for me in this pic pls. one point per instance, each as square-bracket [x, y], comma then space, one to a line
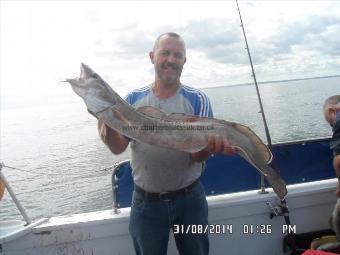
[164, 91]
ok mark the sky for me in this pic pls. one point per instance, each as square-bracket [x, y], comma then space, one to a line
[43, 42]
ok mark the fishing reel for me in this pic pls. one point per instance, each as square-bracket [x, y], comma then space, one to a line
[278, 210]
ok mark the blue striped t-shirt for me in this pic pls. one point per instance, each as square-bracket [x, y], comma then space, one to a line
[156, 169]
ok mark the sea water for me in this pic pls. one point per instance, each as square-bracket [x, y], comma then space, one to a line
[61, 163]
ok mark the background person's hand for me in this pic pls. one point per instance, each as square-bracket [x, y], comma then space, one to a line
[337, 192]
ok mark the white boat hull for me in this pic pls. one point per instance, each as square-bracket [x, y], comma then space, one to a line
[106, 233]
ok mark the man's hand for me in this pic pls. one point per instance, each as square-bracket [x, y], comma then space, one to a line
[216, 144]
[337, 192]
[336, 165]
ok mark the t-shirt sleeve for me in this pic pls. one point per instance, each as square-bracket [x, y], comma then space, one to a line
[204, 107]
[209, 111]
[128, 98]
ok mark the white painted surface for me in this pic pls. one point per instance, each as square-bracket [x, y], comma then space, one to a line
[101, 233]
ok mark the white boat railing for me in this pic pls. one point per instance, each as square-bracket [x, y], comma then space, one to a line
[13, 196]
[14, 229]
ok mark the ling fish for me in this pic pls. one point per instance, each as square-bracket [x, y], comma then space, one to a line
[179, 131]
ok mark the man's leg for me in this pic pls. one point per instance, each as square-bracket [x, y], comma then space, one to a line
[192, 209]
[149, 225]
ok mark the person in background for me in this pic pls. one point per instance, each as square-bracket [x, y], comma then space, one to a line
[331, 110]
[167, 191]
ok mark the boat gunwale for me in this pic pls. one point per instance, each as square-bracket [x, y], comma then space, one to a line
[302, 141]
[215, 202]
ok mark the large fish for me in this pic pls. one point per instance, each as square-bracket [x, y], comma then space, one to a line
[177, 131]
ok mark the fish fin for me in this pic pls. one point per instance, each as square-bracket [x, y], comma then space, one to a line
[157, 113]
[242, 153]
[182, 117]
[268, 156]
[152, 112]
[118, 115]
[246, 130]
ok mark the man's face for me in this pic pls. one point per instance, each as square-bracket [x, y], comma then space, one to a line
[330, 114]
[168, 58]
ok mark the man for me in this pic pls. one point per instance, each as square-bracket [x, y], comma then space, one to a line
[167, 192]
[331, 110]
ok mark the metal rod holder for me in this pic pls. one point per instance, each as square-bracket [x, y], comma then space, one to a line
[263, 187]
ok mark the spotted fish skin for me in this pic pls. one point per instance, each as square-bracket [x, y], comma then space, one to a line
[176, 131]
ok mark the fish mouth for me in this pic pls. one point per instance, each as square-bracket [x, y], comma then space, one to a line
[86, 72]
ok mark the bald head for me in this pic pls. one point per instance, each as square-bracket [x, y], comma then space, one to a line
[332, 101]
[330, 108]
[166, 35]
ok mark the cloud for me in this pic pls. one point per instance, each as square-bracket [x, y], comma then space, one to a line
[309, 46]
[127, 42]
[216, 48]
[220, 40]
[311, 32]
[328, 42]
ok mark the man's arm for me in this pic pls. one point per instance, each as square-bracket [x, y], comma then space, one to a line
[116, 142]
[336, 165]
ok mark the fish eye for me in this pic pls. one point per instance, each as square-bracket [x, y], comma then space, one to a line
[95, 75]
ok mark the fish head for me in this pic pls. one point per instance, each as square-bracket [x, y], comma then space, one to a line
[96, 93]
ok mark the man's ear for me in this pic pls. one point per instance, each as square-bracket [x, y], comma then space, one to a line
[151, 55]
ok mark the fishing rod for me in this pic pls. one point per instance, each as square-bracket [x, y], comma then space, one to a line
[255, 81]
[283, 209]
[269, 141]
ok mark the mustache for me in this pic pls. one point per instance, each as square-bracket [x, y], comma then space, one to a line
[170, 65]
